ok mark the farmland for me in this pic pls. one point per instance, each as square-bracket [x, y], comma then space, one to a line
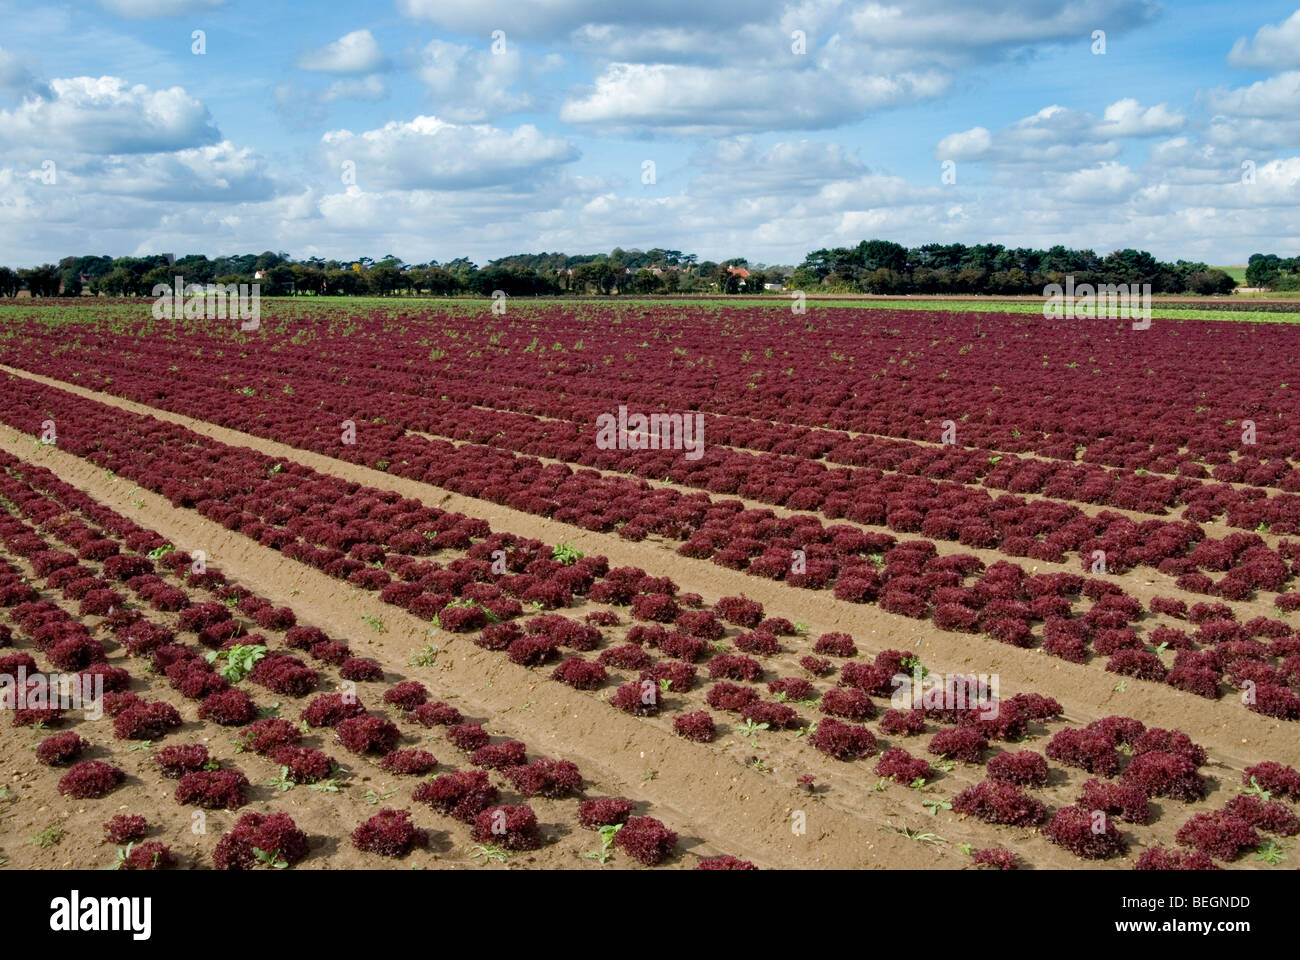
[363, 588]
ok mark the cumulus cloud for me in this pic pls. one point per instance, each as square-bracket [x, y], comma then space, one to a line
[1277, 96]
[1104, 182]
[1187, 160]
[1264, 116]
[698, 101]
[469, 85]
[685, 69]
[220, 173]
[352, 53]
[955, 32]
[1060, 138]
[676, 30]
[429, 153]
[105, 115]
[1274, 47]
[1127, 118]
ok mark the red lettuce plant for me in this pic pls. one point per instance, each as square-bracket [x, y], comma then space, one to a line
[212, 789]
[511, 827]
[176, 761]
[90, 780]
[545, 777]
[843, 741]
[499, 756]
[125, 828]
[304, 764]
[1076, 829]
[1123, 801]
[401, 762]
[604, 812]
[998, 858]
[964, 744]
[61, 748]
[462, 794]
[645, 839]
[274, 836]
[389, 833]
[1025, 768]
[1219, 835]
[726, 862]
[329, 709]
[900, 766]
[996, 802]
[697, 726]
[368, 733]
[1160, 858]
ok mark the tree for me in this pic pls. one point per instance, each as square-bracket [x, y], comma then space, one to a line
[42, 281]
[1263, 269]
[645, 281]
[1210, 282]
[597, 273]
[384, 278]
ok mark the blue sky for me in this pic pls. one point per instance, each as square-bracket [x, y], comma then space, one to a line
[403, 127]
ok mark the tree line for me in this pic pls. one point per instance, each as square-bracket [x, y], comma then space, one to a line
[1272, 272]
[884, 267]
[873, 267]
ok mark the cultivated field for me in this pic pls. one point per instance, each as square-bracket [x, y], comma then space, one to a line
[403, 584]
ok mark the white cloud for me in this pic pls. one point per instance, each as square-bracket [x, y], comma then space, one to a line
[700, 101]
[429, 153]
[1059, 138]
[1272, 48]
[966, 145]
[1184, 160]
[689, 69]
[1126, 118]
[220, 173]
[469, 85]
[681, 30]
[1260, 118]
[352, 53]
[956, 31]
[1103, 183]
[104, 115]
[1277, 96]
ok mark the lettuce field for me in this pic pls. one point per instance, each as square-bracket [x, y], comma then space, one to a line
[647, 585]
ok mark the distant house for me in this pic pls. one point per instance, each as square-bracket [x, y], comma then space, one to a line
[741, 274]
[773, 286]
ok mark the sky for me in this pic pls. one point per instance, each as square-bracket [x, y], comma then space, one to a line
[431, 130]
